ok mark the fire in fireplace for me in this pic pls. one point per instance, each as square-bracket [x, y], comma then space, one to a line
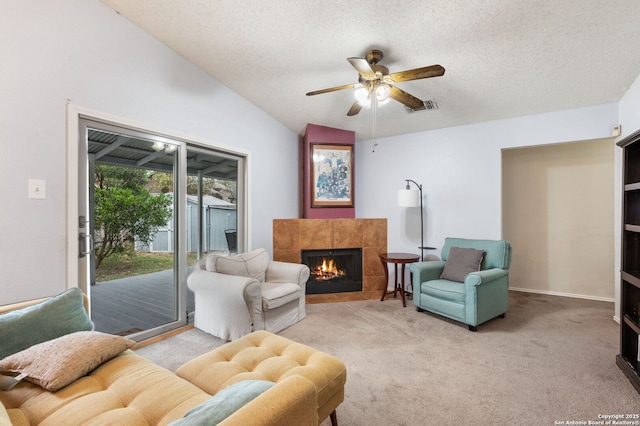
[333, 270]
[327, 271]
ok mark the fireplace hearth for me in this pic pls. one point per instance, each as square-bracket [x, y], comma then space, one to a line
[333, 270]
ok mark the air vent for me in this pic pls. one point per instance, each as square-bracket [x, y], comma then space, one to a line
[429, 105]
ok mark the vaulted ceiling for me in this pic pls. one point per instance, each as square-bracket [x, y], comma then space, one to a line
[503, 58]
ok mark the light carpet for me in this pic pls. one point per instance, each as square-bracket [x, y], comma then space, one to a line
[551, 360]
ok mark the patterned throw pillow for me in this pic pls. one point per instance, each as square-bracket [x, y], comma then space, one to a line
[56, 363]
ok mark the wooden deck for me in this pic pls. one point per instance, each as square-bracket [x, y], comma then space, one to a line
[129, 305]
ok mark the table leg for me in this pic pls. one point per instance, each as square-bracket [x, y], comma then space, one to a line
[386, 280]
[404, 301]
[396, 283]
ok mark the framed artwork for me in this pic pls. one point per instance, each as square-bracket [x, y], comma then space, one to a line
[331, 175]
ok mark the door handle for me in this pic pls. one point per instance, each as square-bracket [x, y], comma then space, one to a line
[83, 244]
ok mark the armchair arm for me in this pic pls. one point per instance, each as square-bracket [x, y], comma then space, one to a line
[227, 306]
[488, 275]
[426, 271]
[286, 272]
[215, 283]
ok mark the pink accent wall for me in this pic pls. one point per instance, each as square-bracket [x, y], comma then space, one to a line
[322, 134]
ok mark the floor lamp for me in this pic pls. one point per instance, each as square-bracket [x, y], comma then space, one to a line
[408, 197]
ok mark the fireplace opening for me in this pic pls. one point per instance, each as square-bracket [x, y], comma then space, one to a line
[333, 270]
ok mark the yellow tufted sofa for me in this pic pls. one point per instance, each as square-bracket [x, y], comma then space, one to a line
[131, 390]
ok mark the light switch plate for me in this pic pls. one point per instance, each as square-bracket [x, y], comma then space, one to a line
[37, 189]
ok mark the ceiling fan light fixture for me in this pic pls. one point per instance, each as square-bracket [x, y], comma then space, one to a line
[362, 95]
[383, 93]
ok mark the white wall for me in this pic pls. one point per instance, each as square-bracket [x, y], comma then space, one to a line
[460, 170]
[629, 109]
[83, 52]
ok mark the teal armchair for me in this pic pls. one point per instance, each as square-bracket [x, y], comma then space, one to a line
[470, 284]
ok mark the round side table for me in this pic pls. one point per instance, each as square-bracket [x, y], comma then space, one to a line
[397, 259]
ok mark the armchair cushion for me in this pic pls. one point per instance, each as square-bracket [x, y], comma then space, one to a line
[461, 262]
[252, 264]
[445, 290]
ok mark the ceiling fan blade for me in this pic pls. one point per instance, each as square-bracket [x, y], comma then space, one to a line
[405, 98]
[355, 108]
[364, 69]
[417, 74]
[333, 89]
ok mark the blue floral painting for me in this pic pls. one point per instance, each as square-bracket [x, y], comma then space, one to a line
[332, 181]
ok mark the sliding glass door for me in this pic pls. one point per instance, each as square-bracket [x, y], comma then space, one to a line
[150, 206]
[215, 194]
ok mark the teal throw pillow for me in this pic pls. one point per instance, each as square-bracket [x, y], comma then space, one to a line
[60, 315]
[224, 403]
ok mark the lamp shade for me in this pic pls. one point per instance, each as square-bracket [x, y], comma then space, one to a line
[408, 198]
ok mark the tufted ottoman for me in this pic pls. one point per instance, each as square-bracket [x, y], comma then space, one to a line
[263, 355]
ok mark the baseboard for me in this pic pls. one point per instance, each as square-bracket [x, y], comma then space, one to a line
[557, 293]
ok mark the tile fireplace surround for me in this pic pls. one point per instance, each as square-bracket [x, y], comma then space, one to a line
[291, 236]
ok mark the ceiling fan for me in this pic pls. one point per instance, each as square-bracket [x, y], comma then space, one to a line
[375, 80]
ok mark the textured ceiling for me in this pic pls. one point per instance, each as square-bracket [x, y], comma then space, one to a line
[503, 58]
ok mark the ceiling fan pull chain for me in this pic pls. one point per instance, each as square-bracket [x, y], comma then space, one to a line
[374, 110]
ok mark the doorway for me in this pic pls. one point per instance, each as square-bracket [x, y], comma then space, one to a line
[558, 214]
[149, 207]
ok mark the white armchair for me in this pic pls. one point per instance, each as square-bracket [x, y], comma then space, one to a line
[239, 294]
